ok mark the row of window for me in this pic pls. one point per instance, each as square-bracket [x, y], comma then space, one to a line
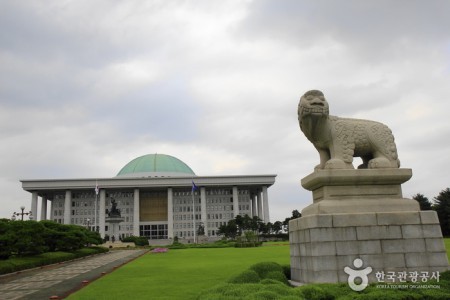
[185, 193]
[154, 232]
[190, 233]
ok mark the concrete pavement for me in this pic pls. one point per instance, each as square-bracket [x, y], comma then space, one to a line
[62, 279]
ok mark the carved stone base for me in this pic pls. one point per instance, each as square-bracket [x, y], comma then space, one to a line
[114, 227]
[323, 245]
[358, 191]
[362, 214]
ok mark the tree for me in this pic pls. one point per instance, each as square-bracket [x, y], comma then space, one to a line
[295, 214]
[239, 220]
[424, 203]
[228, 230]
[254, 223]
[442, 207]
[6, 239]
[27, 238]
[277, 227]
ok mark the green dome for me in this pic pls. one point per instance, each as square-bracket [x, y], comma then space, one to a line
[155, 165]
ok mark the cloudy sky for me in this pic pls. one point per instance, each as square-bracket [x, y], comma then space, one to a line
[86, 86]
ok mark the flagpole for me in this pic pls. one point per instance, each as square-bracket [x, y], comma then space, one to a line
[95, 206]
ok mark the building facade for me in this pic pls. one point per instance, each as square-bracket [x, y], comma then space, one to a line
[159, 197]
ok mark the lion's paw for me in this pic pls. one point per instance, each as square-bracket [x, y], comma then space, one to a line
[337, 164]
[379, 163]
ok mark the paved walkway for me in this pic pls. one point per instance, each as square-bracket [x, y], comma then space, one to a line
[62, 279]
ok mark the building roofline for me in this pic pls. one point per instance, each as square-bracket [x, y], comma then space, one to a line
[31, 185]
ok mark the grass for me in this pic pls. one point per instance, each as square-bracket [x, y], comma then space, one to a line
[447, 247]
[186, 273]
[179, 274]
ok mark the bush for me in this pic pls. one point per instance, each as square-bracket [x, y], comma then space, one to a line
[270, 286]
[264, 268]
[287, 271]
[263, 295]
[27, 237]
[6, 239]
[314, 292]
[248, 244]
[15, 264]
[269, 281]
[248, 276]
[278, 276]
[137, 240]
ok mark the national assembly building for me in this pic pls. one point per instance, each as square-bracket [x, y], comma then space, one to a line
[158, 196]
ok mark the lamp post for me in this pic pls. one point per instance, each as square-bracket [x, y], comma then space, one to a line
[21, 214]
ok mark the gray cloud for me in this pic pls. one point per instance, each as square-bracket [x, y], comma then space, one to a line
[87, 86]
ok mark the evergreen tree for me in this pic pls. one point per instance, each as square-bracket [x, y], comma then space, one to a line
[442, 207]
[295, 214]
[424, 203]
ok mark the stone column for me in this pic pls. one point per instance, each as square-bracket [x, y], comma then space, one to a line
[203, 207]
[51, 209]
[44, 208]
[101, 212]
[362, 214]
[34, 201]
[235, 201]
[260, 207]
[266, 204]
[170, 213]
[254, 211]
[136, 213]
[67, 203]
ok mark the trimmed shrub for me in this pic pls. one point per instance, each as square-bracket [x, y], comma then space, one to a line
[314, 292]
[137, 240]
[269, 281]
[434, 294]
[263, 295]
[287, 271]
[27, 237]
[270, 286]
[26, 262]
[278, 276]
[248, 276]
[248, 244]
[265, 267]
[6, 239]
[177, 246]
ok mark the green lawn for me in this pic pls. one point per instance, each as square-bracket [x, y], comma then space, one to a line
[179, 274]
[183, 274]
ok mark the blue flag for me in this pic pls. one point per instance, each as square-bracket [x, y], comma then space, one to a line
[194, 187]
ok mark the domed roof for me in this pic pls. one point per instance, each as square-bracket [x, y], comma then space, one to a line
[155, 165]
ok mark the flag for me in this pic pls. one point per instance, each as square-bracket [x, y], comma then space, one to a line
[96, 188]
[194, 187]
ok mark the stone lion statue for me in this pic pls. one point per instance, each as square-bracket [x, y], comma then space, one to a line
[338, 140]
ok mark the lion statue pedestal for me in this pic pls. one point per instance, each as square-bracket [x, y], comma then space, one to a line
[359, 218]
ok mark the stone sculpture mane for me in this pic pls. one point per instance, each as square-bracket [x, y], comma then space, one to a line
[338, 140]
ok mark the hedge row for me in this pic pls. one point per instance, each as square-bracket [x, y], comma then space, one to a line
[21, 238]
[248, 244]
[27, 262]
[218, 244]
[137, 240]
[269, 281]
